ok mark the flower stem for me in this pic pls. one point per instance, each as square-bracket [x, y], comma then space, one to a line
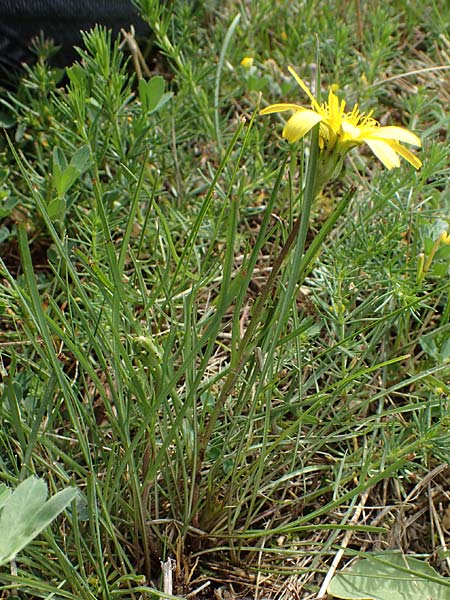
[298, 234]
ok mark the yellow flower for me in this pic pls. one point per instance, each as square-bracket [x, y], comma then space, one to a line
[445, 237]
[247, 62]
[340, 131]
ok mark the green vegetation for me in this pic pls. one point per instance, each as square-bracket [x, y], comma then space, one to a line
[141, 222]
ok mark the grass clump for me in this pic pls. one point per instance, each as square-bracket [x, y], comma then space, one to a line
[225, 394]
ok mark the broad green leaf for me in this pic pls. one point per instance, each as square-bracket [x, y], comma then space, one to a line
[428, 344]
[5, 492]
[59, 160]
[445, 350]
[437, 227]
[443, 252]
[439, 269]
[52, 508]
[26, 512]
[68, 178]
[6, 120]
[151, 94]
[59, 166]
[5, 234]
[56, 208]
[163, 100]
[64, 174]
[428, 244]
[28, 497]
[8, 204]
[371, 579]
[81, 159]
[77, 76]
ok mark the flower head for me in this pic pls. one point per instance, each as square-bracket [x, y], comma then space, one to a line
[340, 131]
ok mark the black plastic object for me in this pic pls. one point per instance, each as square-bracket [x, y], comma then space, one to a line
[60, 20]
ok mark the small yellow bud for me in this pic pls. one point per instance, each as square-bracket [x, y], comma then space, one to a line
[247, 62]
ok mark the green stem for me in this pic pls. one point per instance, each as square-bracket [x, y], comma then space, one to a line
[299, 233]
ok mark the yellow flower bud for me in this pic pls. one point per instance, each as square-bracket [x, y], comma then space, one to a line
[247, 62]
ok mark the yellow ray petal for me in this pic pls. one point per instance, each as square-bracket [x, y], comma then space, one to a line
[299, 124]
[406, 154]
[392, 132]
[384, 152]
[304, 87]
[280, 108]
[333, 105]
[351, 132]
